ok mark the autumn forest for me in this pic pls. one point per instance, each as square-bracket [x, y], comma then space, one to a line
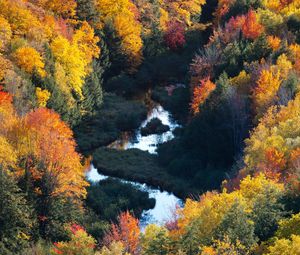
[150, 127]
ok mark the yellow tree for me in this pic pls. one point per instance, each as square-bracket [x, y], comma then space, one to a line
[71, 60]
[43, 96]
[130, 33]
[86, 40]
[66, 8]
[110, 8]
[5, 33]
[127, 27]
[184, 10]
[285, 246]
[265, 91]
[28, 59]
[278, 131]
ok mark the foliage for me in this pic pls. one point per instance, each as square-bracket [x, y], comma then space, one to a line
[201, 93]
[16, 217]
[126, 231]
[285, 246]
[80, 243]
[175, 35]
[29, 59]
[42, 96]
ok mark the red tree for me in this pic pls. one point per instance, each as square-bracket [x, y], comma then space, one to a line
[175, 35]
[126, 231]
[251, 28]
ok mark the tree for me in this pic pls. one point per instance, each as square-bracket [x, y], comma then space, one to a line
[80, 244]
[274, 42]
[66, 9]
[55, 148]
[115, 248]
[226, 247]
[285, 246]
[126, 231]
[155, 241]
[87, 42]
[251, 28]
[130, 33]
[86, 10]
[5, 33]
[186, 11]
[175, 35]
[121, 15]
[42, 96]
[30, 60]
[201, 93]
[237, 226]
[265, 92]
[16, 217]
[92, 91]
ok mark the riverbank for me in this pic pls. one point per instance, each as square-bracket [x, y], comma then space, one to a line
[164, 202]
[139, 166]
[116, 116]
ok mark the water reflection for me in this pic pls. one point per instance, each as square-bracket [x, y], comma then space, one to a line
[148, 143]
[164, 206]
[165, 202]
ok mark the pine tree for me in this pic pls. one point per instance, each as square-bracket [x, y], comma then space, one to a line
[92, 90]
[86, 10]
[16, 220]
[237, 225]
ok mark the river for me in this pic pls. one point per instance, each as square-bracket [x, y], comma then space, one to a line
[165, 202]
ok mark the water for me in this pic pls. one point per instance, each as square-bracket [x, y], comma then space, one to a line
[164, 206]
[148, 143]
[165, 202]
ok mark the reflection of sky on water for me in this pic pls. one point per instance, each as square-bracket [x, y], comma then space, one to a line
[149, 143]
[165, 202]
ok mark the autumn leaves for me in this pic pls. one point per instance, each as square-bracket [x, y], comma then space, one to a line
[40, 144]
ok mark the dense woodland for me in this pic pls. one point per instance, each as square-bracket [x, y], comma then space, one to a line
[76, 74]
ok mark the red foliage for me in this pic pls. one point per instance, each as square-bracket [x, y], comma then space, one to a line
[126, 231]
[251, 28]
[201, 93]
[175, 35]
[74, 228]
[64, 29]
[5, 98]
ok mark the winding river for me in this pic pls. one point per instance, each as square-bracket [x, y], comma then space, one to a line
[165, 202]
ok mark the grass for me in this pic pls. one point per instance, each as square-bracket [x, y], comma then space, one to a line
[115, 116]
[139, 166]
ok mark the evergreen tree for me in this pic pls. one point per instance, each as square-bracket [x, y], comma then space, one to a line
[92, 90]
[16, 221]
[267, 212]
[237, 225]
[86, 10]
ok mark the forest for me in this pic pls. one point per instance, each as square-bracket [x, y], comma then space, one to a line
[194, 100]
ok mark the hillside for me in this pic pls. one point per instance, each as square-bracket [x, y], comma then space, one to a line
[198, 98]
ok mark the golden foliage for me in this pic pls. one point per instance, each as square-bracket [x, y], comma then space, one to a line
[266, 89]
[201, 93]
[5, 33]
[274, 42]
[43, 96]
[28, 59]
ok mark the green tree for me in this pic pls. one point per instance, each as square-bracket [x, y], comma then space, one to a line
[155, 241]
[16, 221]
[267, 212]
[237, 225]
